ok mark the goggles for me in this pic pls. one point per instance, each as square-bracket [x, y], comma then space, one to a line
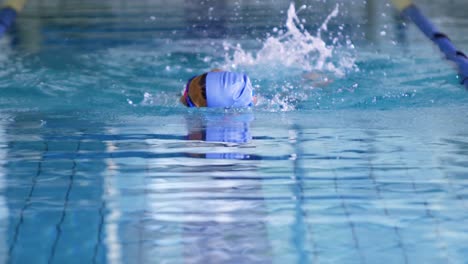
[186, 95]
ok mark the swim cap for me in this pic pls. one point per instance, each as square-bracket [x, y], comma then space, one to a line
[195, 92]
[228, 89]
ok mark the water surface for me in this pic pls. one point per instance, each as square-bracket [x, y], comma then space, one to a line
[99, 163]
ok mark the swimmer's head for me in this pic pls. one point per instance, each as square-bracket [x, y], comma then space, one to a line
[218, 89]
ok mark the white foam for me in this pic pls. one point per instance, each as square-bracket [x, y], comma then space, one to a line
[293, 47]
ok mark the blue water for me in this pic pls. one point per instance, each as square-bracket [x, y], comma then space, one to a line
[99, 163]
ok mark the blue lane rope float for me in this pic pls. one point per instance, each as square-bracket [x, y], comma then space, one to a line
[8, 14]
[412, 12]
[7, 17]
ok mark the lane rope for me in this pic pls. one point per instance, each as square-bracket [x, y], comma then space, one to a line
[409, 10]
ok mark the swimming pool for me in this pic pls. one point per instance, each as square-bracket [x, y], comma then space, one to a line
[100, 164]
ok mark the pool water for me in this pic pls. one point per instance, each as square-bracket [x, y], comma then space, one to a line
[357, 151]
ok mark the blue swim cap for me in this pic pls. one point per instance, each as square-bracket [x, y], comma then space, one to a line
[228, 89]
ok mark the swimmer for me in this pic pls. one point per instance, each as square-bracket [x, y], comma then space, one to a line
[219, 88]
[225, 89]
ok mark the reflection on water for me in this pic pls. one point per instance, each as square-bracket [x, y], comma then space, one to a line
[215, 186]
[226, 129]
[193, 216]
[165, 222]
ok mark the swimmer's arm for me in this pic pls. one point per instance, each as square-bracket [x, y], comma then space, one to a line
[318, 79]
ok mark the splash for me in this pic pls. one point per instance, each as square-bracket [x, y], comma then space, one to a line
[6, 50]
[293, 47]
